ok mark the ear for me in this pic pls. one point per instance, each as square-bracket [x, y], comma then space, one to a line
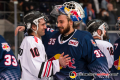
[99, 32]
[34, 27]
[70, 22]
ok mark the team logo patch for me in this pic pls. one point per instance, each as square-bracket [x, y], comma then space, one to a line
[117, 63]
[72, 74]
[75, 15]
[5, 47]
[70, 65]
[51, 30]
[73, 43]
[93, 43]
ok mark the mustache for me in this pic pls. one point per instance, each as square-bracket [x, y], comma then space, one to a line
[60, 28]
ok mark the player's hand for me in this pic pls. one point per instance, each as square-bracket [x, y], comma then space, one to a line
[64, 60]
[19, 28]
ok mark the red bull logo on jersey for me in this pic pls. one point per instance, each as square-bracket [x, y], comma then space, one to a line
[73, 43]
[93, 43]
[117, 63]
[70, 65]
[50, 29]
[5, 47]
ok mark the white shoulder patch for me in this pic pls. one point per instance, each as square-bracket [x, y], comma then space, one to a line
[6, 47]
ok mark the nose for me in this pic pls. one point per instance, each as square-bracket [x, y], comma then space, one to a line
[58, 24]
[105, 31]
[45, 26]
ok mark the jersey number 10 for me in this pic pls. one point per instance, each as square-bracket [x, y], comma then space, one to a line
[34, 52]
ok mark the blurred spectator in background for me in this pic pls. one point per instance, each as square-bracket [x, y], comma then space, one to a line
[29, 5]
[72, 0]
[112, 17]
[11, 8]
[95, 6]
[116, 5]
[4, 7]
[104, 15]
[84, 2]
[118, 24]
[25, 7]
[44, 7]
[104, 4]
[89, 13]
[1, 9]
[53, 1]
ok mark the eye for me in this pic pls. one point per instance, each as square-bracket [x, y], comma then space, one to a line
[43, 24]
[61, 21]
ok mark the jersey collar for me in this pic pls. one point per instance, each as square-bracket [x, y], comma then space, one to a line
[62, 42]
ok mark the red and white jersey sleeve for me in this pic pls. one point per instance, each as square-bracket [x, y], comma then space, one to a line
[33, 59]
[107, 48]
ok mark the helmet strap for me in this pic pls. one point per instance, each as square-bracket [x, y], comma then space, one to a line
[35, 30]
[96, 34]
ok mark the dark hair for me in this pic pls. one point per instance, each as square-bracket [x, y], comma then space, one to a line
[30, 30]
[76, 24]
[93, 25]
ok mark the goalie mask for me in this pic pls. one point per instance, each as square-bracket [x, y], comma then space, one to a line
[72, 9]
[32, 18]
[96, 24]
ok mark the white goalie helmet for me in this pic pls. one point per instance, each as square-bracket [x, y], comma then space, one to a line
[72, 9]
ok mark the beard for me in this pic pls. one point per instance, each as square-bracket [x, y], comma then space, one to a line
[65, 30]
[105, 37]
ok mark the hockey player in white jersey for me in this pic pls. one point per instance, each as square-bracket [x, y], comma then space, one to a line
[98, 30]
[32, 56]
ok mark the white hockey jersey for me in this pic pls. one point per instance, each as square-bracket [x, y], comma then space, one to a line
[33, 60]
[107, 49]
